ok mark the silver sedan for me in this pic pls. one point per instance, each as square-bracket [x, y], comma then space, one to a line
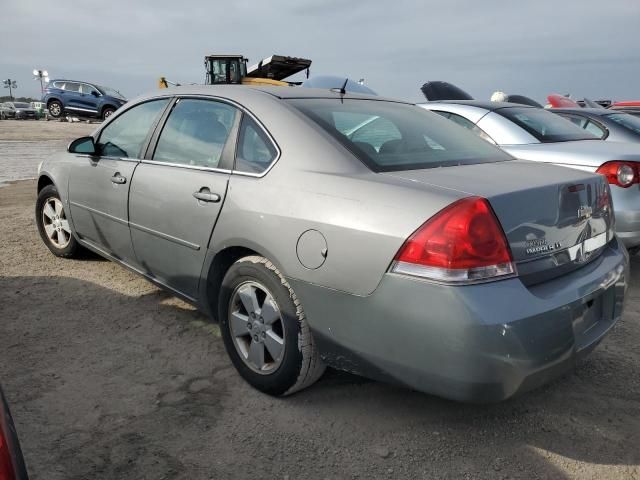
[322, 228]
[535, 134]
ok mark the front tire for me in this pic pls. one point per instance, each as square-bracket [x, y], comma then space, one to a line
[265, 330]
[53, 224]
[107, 112]
[55, 109]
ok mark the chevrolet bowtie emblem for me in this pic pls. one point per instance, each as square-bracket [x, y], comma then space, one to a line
[584, 212]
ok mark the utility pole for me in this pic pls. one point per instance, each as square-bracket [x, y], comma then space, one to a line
[41, 75]
[10, 84]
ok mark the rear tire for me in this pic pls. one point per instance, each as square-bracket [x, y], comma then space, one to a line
[290, 364]
[53, 224]
[56, 110]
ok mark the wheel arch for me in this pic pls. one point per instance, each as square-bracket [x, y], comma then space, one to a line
[43, 181]
[215, 270]
[105, 106]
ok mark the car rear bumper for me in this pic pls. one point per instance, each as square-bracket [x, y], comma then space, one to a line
[626, 204]
[476, 343]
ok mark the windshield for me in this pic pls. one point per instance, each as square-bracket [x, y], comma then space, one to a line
[21, 105]
[110, 91]
[388, 136]
[545, 126]
[627, 121]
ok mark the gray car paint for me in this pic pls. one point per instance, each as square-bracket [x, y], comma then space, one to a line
[351, 300]
[614, 132]
[585, 155]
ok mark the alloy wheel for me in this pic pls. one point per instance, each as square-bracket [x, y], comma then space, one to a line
[257, 327]
[55, 223]
[54, 109]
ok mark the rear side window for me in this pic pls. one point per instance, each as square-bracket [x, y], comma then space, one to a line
[125, 136]
[195, 133]
[469, 125]
[72, 87]
[255, 150]
[389, 136]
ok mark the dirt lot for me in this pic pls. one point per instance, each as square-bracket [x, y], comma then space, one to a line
[111, 378]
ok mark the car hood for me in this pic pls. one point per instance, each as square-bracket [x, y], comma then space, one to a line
[588, 153]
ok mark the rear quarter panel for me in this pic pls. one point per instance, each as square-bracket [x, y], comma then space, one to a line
[316, 184]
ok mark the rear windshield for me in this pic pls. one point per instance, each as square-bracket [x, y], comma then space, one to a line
[388, 136]
[627, 121]
[545, 126]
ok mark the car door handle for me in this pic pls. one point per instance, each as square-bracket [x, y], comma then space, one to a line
[118, 179]
[205, 195]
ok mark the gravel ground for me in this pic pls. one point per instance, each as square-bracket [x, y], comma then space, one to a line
[24, 143]
[109, 377]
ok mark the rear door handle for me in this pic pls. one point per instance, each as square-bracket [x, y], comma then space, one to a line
[118, 179]
[205, 195]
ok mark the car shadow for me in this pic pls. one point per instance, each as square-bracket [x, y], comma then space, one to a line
[105, 336]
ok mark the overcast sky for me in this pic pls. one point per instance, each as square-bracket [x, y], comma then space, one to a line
[584, 47]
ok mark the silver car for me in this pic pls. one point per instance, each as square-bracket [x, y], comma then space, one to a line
[370, 235]
[535, 134]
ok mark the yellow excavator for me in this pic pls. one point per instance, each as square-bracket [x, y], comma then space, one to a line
[232, 69]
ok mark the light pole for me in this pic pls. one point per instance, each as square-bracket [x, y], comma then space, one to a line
[10, 84]
[41, 75]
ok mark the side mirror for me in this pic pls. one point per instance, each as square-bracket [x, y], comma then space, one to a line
[84, 145]
[95, 93]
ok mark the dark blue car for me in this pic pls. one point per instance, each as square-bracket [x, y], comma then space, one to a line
[81, 98]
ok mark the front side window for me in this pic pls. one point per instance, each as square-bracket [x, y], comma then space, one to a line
[390, 136]
[195, 133]
[87, 89]
[125, 136]
[547, 127]
[255, 150]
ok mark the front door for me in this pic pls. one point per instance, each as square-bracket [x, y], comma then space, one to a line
[88, 100]
[99, 185]
[177, 194]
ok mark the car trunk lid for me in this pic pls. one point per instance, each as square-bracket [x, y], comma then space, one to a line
[555, 219]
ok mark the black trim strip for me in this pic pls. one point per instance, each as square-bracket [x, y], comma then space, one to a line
[164, 236]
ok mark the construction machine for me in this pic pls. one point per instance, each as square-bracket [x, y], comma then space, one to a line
[232, 69]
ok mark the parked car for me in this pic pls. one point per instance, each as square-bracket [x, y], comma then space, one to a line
[11, 460]
[611, 125]
[632, 108]
[40, 108]
[407, 250]
[17, 111]
[81, 98]
[539, 135]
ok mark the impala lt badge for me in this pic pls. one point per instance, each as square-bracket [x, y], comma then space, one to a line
[540, 245]
[584, 212]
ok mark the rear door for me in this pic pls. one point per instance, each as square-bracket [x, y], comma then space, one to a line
[72, 97]
[99, 185]
[179, 189]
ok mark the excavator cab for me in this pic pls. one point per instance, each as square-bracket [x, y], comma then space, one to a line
[225, 69]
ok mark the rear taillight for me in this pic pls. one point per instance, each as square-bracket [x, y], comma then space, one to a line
[463, 243]
[7, 472]
[622, 174]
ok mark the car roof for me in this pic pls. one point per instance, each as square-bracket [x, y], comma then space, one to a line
[486, 104]
[239, 91]
[69, 80]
